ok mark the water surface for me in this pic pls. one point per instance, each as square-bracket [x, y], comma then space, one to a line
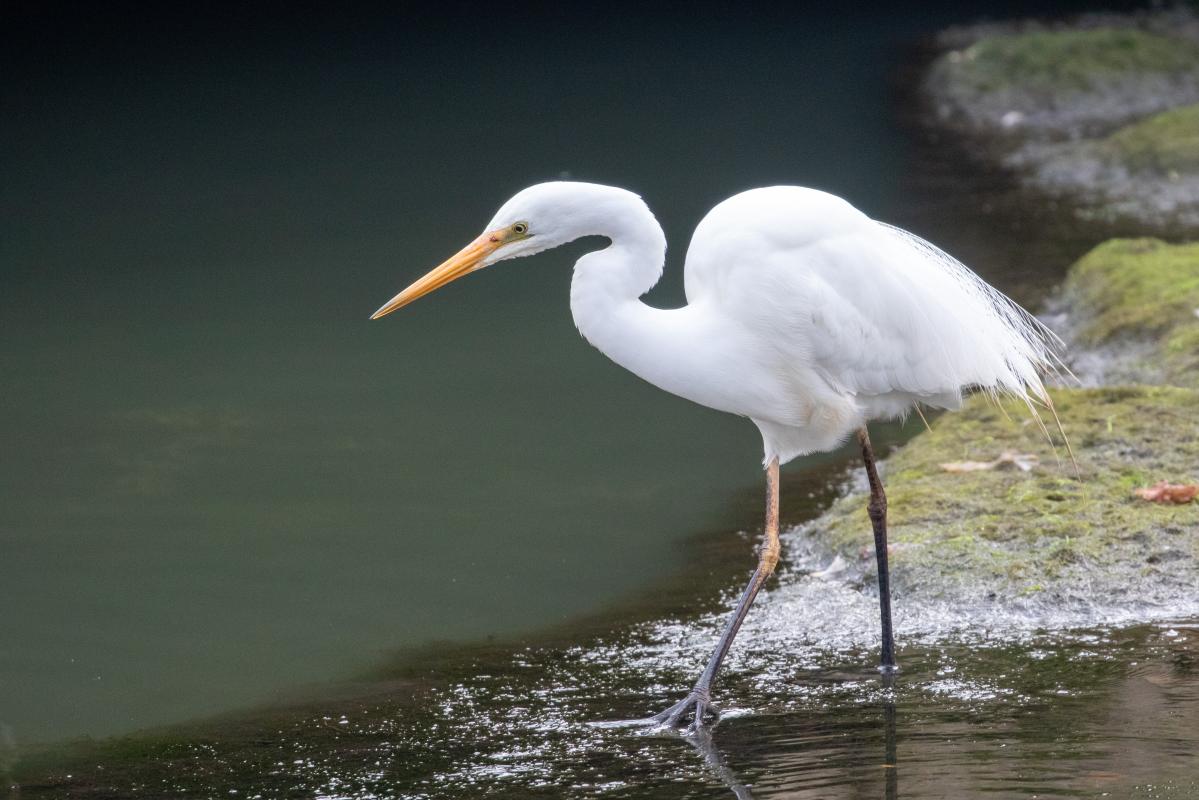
[1006, 704]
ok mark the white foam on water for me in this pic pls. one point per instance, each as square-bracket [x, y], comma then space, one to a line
[799, 628]
[808, 645]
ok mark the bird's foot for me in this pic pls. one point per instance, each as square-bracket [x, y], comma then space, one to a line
[698, 704]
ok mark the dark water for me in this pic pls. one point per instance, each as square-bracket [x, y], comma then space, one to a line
[985, 705]
[220, 484]
[1003, 709]
[219, 480]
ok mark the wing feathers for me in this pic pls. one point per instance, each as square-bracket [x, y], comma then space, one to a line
[905, 316]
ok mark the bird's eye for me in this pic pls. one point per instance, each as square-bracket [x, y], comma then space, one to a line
[521, 228]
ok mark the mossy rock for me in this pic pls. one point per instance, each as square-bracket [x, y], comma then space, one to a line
[1140, 289]
[1071, 60]
[1064, 83]
[1011, 536]
[1166, 143]
[1144, 176]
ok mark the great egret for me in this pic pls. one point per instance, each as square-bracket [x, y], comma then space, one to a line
[802, 314]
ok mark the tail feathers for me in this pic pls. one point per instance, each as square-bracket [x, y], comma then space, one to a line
[1025, 349]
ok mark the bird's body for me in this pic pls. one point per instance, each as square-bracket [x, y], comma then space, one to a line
[803, 314]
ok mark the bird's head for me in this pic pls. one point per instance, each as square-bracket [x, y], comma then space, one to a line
[535, 219]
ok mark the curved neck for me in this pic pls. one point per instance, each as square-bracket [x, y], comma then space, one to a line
[654, 344]
[609, 282]
[631, 265]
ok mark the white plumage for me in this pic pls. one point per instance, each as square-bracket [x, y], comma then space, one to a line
[859, 319]
[803, 314]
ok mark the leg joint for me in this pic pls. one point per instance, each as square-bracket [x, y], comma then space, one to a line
[768, 557]
[877, 507]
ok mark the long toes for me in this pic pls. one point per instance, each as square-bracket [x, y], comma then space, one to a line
[672, 712]
[673, 720]
[707, 714]
[695, 702]
[670, 716]
[701, 711]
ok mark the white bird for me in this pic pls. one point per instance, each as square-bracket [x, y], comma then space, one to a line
[803, 314]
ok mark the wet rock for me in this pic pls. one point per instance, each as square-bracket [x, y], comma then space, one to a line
[1064, 83]
[1129, 309]
[1041, 538]
[1101, 111]
[1146, 171]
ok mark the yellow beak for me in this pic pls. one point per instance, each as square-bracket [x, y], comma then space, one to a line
[465, 261]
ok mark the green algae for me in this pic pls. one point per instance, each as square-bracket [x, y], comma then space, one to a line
[1180, 354]
[1134, 286]
[1005, 533]
[1141, 289]
[1165, 143]
[1070, 60]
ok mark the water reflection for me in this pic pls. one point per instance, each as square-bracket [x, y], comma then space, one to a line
[704, 743]
[890, 761]
[1048, 713]
[988, 701]
[703, 740]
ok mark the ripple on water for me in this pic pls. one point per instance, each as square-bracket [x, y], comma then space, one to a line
[990, 699]
[1045, 701]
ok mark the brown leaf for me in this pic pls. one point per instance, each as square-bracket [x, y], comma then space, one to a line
[1162, 492]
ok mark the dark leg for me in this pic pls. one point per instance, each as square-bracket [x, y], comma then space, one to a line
[877, 509]
[700, 697]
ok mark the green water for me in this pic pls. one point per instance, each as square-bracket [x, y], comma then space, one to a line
[220, 484]
[1003, 711]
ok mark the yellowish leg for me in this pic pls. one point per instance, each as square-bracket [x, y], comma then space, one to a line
[700, 698]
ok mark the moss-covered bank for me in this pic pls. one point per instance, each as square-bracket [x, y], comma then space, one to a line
[1045, 535]
[1139, 298]
[1146, 172]
[1165, 144]
[1010, 536]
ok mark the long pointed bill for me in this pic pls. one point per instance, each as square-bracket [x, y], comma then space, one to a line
[465, 261]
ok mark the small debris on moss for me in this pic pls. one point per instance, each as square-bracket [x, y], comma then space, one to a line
[1022, 461]
[1163, 492]
[1008, 535]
